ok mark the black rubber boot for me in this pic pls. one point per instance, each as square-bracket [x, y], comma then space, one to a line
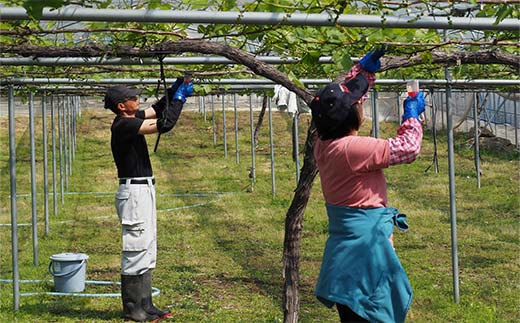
[147, 298]
[131, 293]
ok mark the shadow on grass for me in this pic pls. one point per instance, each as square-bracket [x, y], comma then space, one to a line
[251, 253]
[74, 309]
[478, 262]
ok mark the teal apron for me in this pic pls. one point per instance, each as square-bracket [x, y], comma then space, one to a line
[360, 268]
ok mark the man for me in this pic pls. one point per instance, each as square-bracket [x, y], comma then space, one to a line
[135, 198]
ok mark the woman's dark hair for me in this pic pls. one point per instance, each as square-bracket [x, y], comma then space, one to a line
[334, 107]
[352, 122]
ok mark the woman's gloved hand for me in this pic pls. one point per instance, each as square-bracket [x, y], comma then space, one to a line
[370, 62]
[413, 107]
[185, 90]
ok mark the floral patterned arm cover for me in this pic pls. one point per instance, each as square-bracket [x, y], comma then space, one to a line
[406, 146]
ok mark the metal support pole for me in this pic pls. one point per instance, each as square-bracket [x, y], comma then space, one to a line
[262, 18]
[14, 217]
[296, 146]
[70, 138]
[399, 107]
[45, 165]
[496, 112]
[453, 210]
[251, 125]
[79, 106]
[271, 148]
[442, 111]
[54, 173]
[476, 131]
[505, 118]
[464, 101]
[33, 180]
[515, 122]
[64, 133]
[224, 129]
[434, 133]
[73, 128]
[213, 121]
[375, 115]
[60, 145]
[237, 155]
[67, 137]
[204, 108]
[432, 110]
[73, 112]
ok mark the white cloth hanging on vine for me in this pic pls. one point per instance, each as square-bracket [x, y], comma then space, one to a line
[285, 99]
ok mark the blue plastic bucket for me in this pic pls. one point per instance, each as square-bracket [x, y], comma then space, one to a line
[68, 270]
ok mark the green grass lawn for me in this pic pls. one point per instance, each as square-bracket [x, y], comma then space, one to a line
[220, 252]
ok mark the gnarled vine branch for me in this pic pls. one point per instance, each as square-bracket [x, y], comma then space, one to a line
[453, 58]
[166, 48]
[206, 47]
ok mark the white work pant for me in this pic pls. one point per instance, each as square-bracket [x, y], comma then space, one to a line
[135, 205]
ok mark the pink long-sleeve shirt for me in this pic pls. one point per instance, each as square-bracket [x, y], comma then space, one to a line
[351, 167]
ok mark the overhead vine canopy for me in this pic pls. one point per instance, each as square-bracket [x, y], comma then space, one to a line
[473, 53]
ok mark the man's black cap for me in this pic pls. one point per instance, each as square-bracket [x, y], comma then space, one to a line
[119, 94]
[332, 104]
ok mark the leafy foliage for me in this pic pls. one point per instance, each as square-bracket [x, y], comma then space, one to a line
[35, 7]
[304, 42]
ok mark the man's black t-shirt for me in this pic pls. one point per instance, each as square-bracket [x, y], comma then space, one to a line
[129, 148]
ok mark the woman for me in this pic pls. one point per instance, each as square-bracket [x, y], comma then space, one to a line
[360, 270]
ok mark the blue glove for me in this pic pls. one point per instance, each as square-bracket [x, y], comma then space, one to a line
[413, 107]
[370, 62]
[178, 82]
[185, 90]
[160, 105]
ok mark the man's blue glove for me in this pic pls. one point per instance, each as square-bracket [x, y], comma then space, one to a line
[185, 90]
[175, 86]
[160, 105]
[413, 107]
[370, 62]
